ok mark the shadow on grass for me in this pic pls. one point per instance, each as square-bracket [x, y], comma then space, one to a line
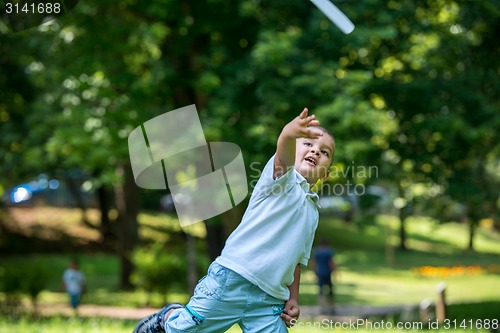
[467, 311]
[344, 295]
[14, 242]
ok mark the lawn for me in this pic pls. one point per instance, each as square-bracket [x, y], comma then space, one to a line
[371, 270]
[27, 324]
[366, 274]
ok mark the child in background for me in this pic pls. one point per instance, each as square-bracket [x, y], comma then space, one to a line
[74, 283]
[324, 265]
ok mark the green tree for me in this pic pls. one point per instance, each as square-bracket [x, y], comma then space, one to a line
[471, 93]
[17, 93]
[397, 93]
[100, 74]
[437, 82]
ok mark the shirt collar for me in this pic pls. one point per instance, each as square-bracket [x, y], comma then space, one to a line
[306, 187]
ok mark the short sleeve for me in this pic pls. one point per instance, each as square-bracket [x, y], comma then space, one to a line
[267, 183]
[308, 250]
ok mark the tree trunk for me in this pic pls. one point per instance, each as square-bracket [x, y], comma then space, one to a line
[402, 219]
[496, 224]
[220, 227]
[472, 231]
[215, 237]
[105, 227]
[192, 266]
[127, 204]
[74, 190]
[402, 229]
[232, 218]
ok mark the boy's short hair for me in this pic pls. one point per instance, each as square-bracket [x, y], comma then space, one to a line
[324, 130]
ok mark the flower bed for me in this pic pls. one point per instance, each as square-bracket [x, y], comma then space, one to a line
[444, 272]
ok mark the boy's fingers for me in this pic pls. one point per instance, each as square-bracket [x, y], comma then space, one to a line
[313, 123]
[309, 121]
[303, 114]
[287, 319]
[310, 118]
[314, 133]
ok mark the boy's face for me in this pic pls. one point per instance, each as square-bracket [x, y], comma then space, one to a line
[313, 157]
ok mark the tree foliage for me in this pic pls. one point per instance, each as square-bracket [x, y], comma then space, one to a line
[413, 90]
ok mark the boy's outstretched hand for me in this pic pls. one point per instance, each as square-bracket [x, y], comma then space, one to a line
[300, 127]
[290, 313]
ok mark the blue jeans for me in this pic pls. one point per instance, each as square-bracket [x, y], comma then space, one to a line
[224, 298]
[74, 300]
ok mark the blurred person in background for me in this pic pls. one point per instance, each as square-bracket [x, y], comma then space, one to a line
[74, 283]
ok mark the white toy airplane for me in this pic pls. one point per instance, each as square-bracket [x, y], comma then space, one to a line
[335, 15]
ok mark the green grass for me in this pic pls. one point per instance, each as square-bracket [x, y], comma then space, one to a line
[101, 273]
[370, 272]
[57, 324]
[27, 324]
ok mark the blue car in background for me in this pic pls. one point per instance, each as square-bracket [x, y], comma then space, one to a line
[44, 190]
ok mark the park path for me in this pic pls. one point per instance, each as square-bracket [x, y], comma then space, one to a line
[341, 312]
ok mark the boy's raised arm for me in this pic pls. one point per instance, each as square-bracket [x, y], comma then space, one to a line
[285, 150]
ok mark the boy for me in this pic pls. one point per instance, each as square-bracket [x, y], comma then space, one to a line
[255, 280]
[74, 283]
[324, 265]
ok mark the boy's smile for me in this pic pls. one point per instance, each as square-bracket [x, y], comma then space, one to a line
[313, 157]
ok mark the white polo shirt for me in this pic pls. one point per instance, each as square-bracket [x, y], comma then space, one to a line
[275, 234]
[73, 281]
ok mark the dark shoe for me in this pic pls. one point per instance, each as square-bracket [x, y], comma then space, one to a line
[155, 322]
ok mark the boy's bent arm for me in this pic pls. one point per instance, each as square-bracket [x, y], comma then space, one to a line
[285, 149]
[292, 311]
[294, 287]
